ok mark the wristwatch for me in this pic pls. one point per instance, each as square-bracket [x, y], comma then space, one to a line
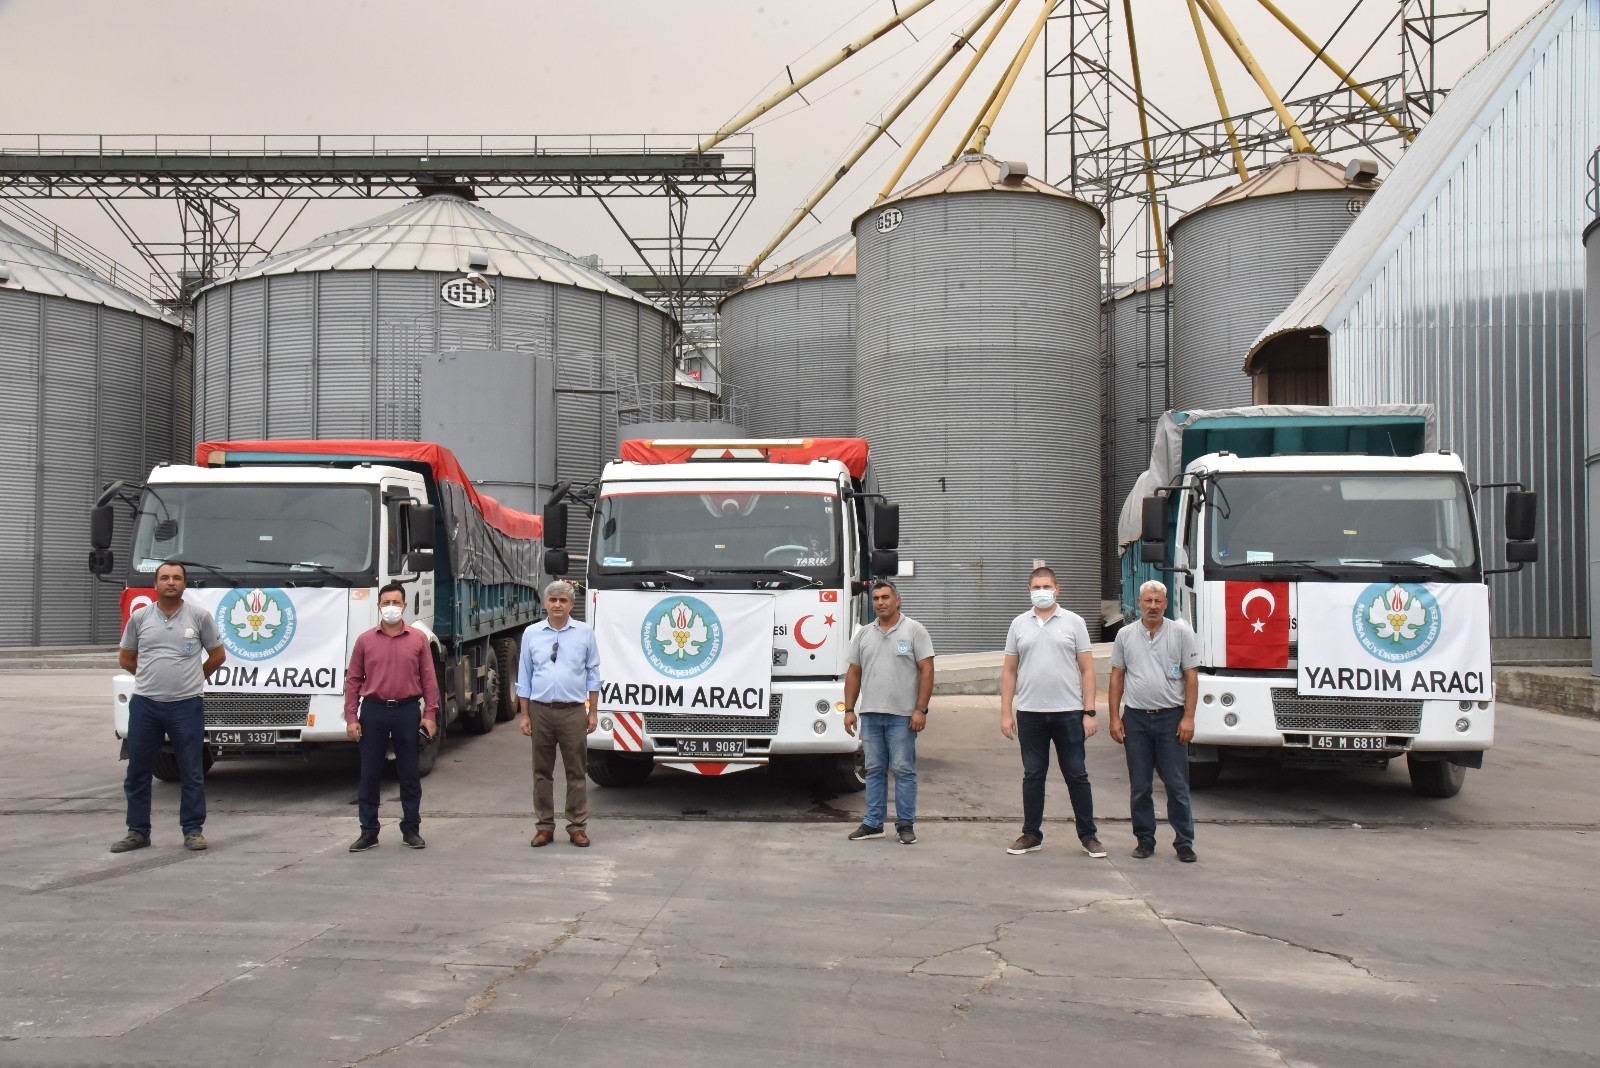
[1088, 712]
[924, 711]
[849, 711]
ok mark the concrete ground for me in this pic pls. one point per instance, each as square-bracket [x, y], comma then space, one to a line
[1332, 920]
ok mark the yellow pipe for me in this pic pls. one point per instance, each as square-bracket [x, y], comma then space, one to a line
[1327, 61]
[876, 132]
[1144, 134]
[982, 137]
[949, 98]
[1216, 87]
[1219, 19]
[739, 123]
[977, 120]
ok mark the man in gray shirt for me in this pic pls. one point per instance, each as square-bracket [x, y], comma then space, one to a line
[171, 648]
[889, 682]
[1047, 691]
[1155, 665]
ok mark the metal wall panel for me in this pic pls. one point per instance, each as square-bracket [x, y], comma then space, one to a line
[246, 364]
[291, 387]
[1591, 318]
[21, 359]
[408, 331]
[346, 372]
[978, 385]
[1138, 333]
[66, 426]
[1235, 267]
[1477, 308]
[789, 355]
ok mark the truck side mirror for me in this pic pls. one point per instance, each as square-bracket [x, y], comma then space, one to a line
[1522, 515]
[1152, 552]
[556, 562]
[419, 526]
[101, 521]
[885, 563]
[555, 531]
[101, 561]
[885, 528]
[1522, 552]
[420, 562]
[1152, 520]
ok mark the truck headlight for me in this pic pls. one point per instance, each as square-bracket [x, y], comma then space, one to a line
[1465, 706]
[820, 726]
[1463, 724]
[822, 706]
[1231, 719]
[1227, 700]
[605, 724]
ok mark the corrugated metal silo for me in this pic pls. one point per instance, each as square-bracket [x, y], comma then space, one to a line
[978, 386]
[1239, 259]
[95, 386]
[327, 340]
[789, 344]
[1591, 312]
[1138, 333]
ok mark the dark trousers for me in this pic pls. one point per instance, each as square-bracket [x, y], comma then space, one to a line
[148, 723]
[566, 729]
[1151, 743]
[1037, 732]
[383, 726]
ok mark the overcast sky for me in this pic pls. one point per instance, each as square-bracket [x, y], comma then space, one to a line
[602, 67]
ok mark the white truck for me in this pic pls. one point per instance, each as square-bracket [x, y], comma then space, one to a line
[1330, 562]
[726, 579]
[288, 542]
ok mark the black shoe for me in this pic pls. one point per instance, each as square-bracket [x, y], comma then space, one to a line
[131, 840]
[414, 840]
[366, 841]
[1144, 851]
[908, 836]
[1186, 854]
[1027, 843]
[865, 831]
[1092, 846]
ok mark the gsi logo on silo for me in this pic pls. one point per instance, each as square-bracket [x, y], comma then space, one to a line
[888, 219]
[466, 293]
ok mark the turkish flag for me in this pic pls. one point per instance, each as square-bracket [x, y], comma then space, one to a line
[1257, 624]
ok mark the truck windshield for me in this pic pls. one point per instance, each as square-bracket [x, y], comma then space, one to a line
[1348, 522]
[257, 529]
[722, 530]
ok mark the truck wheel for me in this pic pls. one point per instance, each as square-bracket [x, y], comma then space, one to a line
[481, 720]
[617, 769]
[844, 774]
[1435, 778]
[429, 756]
[166, 768]
[505, 654]
[1203, 774]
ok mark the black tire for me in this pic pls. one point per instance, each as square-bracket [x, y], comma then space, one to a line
[1435, 778]
[620, 769]
[429, 754]
[505, 654]
[844, 774]
[1203, 774]
[166, 768]
[481, 720]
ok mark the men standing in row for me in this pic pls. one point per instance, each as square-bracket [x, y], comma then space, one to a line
[558, 691]
[1156, 665]
[391, 699]
[171, 648]
[1047, 694]
[889, 682]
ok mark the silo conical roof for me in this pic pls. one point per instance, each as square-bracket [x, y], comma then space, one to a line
[35, 269]
[970, 174]
[1294, 173]
[836, 259]
[436, 233]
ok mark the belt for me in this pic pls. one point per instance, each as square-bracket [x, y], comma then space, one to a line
[394, 702]
[1153, 711]
[560, 704]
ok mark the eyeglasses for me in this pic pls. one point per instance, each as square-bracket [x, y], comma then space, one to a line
[555, 647]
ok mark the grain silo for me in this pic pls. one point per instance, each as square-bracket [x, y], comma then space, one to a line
[788, 348]
[94, 383]
[326, 341]
[1240, 258]
[1138, 337]
[978, 387]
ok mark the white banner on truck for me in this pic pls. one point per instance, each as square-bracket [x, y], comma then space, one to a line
[705, 655]
[278, 641]
[1395, 639]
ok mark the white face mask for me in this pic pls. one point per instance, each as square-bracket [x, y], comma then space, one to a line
[391, 613]
[1042, 598]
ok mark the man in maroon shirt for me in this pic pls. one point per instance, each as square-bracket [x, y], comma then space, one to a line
[390, 692]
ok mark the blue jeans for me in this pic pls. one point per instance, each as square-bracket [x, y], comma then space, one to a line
[185, 723]
[381, 727]
[1151, 742]
[1037, 732]
[888, 742]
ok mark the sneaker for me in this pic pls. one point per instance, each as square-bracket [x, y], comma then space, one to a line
[414, 840]
[1028, 843]
[1186, 854]
[1092, 846]
[908, 836]
[194, 842]
[865, 831]
[132, 840]
[1144, 850]
[366, 841]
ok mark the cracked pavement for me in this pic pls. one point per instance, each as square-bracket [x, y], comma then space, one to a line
[1331, 921]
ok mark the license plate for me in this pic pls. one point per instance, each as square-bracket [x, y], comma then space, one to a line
[1349, 742]
[243, 737]
[720, 747]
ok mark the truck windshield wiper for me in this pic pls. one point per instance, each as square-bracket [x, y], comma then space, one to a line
[326, 569]
[693, 580]
[217, 571]
[1318, 568]
[1446, 569]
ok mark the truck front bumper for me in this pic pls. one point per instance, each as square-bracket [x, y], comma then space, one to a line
[805, 719]
[254, 723]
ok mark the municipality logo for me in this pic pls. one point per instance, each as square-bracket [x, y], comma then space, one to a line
[1396, 623]
[256, 624]
[681, 637]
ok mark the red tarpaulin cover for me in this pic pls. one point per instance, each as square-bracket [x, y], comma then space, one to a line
[440, 460]
[852, 452]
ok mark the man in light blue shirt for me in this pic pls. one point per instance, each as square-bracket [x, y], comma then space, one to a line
[558, 690]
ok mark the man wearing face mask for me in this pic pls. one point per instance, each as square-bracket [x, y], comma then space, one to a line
[1047, 693]
[390, 691]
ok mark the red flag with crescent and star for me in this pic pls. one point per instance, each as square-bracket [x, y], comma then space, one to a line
[1257, 624]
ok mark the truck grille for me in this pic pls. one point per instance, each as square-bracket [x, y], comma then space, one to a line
[1365, 715]
[745, 726]
[256, 710]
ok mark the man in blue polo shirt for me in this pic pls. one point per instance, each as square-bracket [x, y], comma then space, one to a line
[558, 689]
